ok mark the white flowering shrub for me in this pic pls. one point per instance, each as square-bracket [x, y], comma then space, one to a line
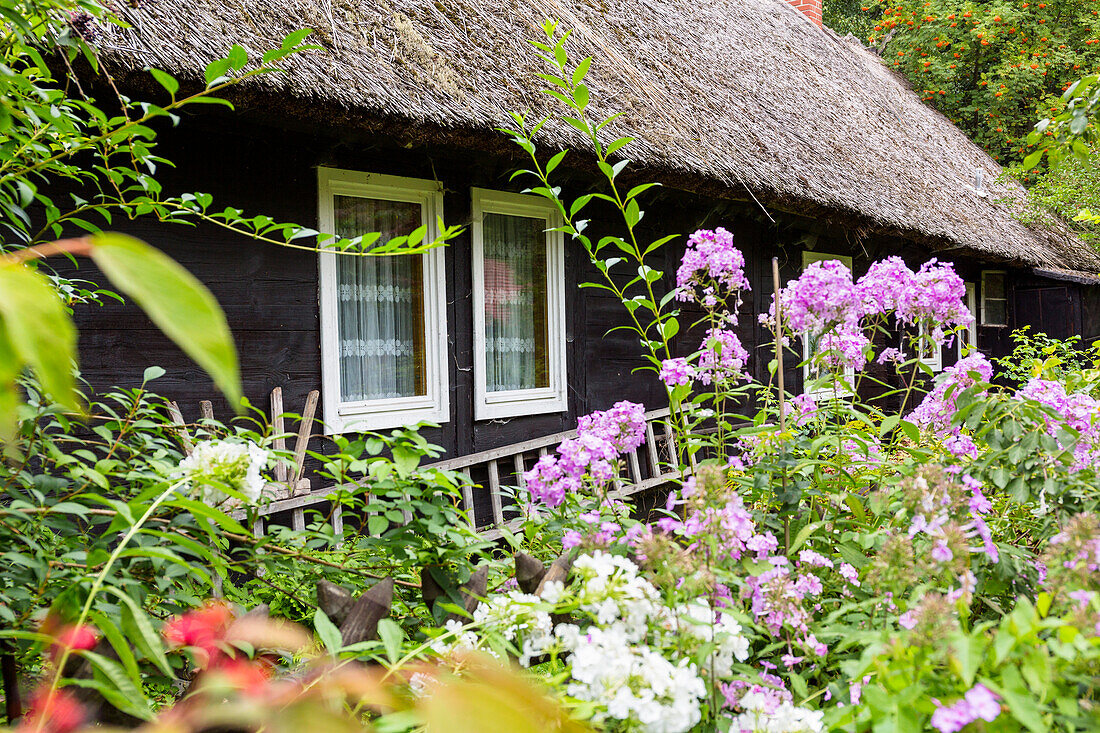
[217, 465]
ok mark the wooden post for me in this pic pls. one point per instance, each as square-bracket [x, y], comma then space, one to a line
[782, 390]
[180, 428]
[279, 429]
[779, 348]
[304, 430]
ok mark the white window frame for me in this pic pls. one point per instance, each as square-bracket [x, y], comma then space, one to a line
[514, 403]
[434, 406]
[809, 258]
[969, 343]
[935, 360]
[986, 299]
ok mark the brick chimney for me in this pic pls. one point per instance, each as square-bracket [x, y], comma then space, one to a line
[811, 8]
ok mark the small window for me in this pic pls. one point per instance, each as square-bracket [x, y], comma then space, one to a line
[965, 338]
[809, 341]
[519, 306]
[383, 319]
[930, 352]
[994, 299]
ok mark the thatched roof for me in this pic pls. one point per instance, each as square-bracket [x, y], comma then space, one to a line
[737, 93]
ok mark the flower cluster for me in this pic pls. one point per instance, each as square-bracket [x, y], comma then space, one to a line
[938, 407]
[946, 528]
[710, 265]
[591, 456]
[1077, 410]
[628, 653]
[844, 348]
[825, 304]
[822, 297]
[979, 703]
[783, 600]
[934, 297]
[722, 358]
[767, 710]
[215, 465]
[1071, 570]
[676, 372]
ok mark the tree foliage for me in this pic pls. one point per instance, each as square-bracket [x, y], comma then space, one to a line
[995, 67]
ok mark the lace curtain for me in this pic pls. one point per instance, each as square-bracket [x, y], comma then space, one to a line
[381, 305]
[515, 303]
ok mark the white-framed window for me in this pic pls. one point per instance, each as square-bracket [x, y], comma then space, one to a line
[383, 319]
[519, 306]
[994, 298]
[930, 352]
[809, 342]
[965, 339]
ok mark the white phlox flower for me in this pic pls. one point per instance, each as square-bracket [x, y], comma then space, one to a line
[216, 463]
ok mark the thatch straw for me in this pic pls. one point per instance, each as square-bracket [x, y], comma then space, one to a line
[734, 93]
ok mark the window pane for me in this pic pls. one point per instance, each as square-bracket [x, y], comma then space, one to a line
[516, 341]
[995, 313]
[994, 285]
[380, 306]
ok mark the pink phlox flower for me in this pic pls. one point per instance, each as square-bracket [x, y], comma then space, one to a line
[844, 348]
[979, 702]
[961, 445]
[884, 285]
[936, 296]
[622, 426]
[907, 620]
[710, 259]
[938, 408]
[892, 355]
[762, 544]
[722, 358]
[819, 299]
[789, 660]
[571, 539]
[814, 559]
[808, 584]
[676, 372]
[849, 573]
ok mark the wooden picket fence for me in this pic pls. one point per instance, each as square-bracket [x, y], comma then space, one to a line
[492, 475]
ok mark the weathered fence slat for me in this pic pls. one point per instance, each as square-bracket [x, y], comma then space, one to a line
[305, 428]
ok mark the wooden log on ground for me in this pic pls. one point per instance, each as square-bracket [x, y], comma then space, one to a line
[334, 600]
[529, 572]
[558, 571]
[373, 606]
[429, 589]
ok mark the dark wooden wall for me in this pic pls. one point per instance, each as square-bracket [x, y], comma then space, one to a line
[269, 293]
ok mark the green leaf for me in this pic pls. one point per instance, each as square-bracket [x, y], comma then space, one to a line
[166, 80]
[804, 534]
[118, 642]
[39, 330]
[1021, 703]
[295, 38]
[122, 692]
[391, 635]
[327, 632]
[176, 302]
[911, 430]
[215, 70]
[140, 631]
[237, 57]
[1032, 159]
[377, 524]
